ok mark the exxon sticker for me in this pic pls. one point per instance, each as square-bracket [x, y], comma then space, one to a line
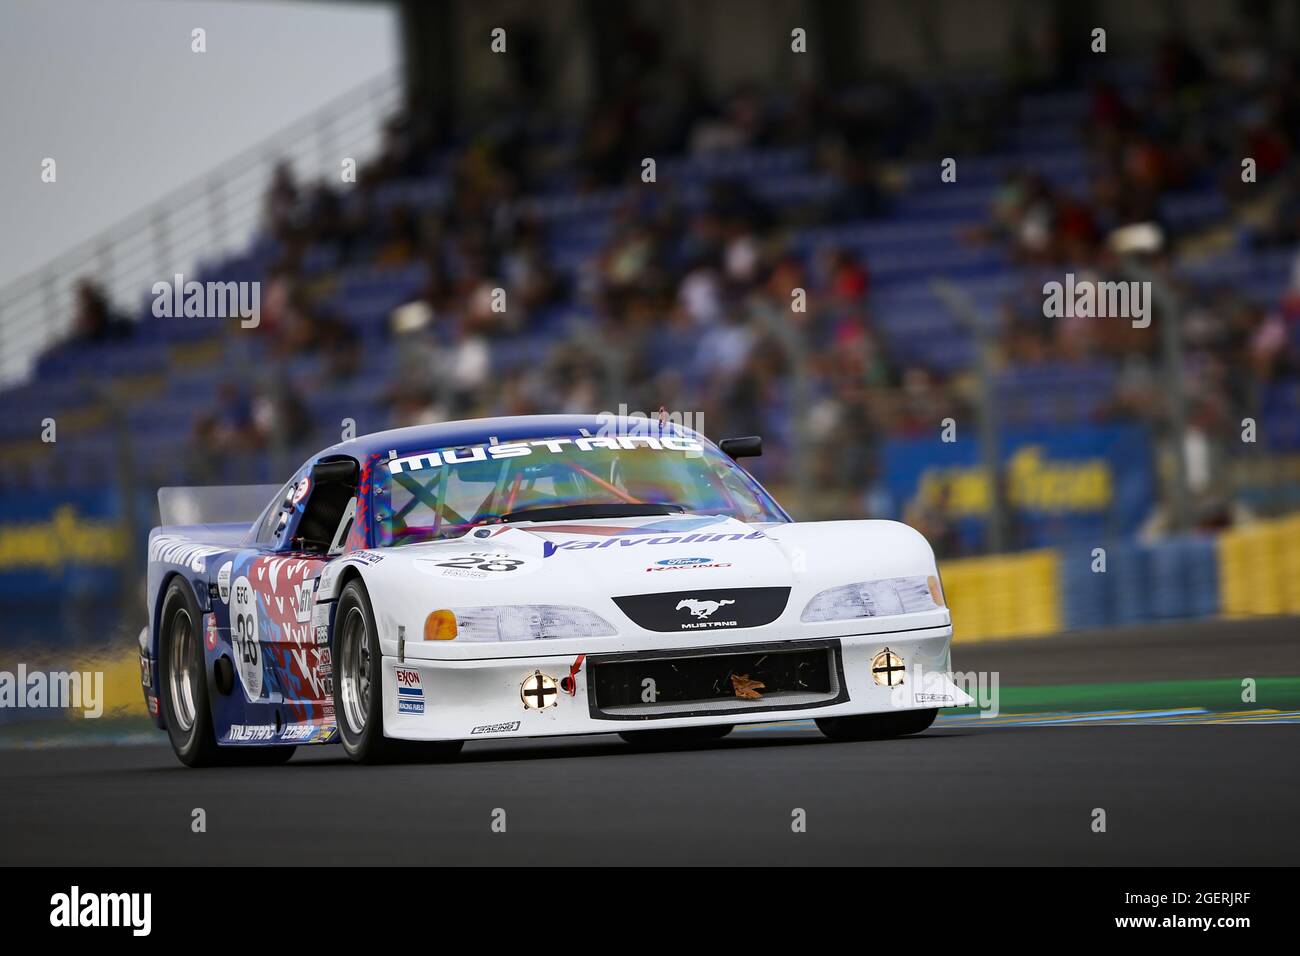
[410, 691]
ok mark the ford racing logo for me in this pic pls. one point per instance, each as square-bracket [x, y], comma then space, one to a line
[677, 562]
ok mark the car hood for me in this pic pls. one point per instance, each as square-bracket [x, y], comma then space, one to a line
[643, 575]
[567, 561]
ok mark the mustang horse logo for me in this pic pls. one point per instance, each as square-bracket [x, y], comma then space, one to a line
[702, 608]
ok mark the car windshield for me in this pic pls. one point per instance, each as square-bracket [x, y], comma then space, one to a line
[443, 493]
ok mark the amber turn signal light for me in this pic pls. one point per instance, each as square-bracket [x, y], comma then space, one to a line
[440, 626]
[936, 590]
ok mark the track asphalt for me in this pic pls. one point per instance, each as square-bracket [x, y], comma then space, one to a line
[1080, 731]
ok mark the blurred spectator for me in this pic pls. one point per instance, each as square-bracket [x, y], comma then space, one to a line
[94, 320]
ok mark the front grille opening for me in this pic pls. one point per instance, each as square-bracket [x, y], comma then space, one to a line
[792, 676]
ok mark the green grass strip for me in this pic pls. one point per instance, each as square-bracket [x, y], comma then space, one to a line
[1219, 694]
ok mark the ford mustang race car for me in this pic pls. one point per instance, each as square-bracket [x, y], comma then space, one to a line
[407, 591]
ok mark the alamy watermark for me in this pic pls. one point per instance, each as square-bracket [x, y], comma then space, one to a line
[925, 687]
[625, 423]
[53, 690]
[1090, 299]
[75, 908]
[208, 300]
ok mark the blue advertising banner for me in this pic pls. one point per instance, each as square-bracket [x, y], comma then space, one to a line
[1060, 484]
[48, 542]
[60, 567]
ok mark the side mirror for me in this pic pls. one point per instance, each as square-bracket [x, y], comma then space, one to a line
[750, 446]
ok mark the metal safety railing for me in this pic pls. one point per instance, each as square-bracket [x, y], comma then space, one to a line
[212, 215]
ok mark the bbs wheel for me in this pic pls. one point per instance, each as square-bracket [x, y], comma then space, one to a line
[876, 726]
[183, 686]
[359, 688]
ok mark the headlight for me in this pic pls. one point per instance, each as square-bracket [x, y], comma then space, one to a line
[525, 622]
[875, 599]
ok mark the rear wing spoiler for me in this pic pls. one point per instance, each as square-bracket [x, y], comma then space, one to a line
[214, 504]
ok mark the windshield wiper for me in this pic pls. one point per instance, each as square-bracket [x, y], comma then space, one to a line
[612, 510]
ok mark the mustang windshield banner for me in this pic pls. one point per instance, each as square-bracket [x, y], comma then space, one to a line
[1059, 484]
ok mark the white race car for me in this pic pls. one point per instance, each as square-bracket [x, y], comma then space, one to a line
[410, 590]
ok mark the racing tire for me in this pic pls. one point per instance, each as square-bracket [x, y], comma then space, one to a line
[670, 737]
[359, 689]
[876, 726]
[184, 695]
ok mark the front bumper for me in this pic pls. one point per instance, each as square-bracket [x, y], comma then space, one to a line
[470, 699]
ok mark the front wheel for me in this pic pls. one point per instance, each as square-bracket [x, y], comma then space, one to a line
[359, 688]
[876, 726]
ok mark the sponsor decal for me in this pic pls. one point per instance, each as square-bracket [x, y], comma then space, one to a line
[223, 582]
[410, 691]
[210, 631]
[331, 571]
[933, 698]
[300, 490]
[887, 668]
[507, 728]
[539, 691]
[146, 673]
[320, 618]
[628, 540]
[250, 732]
[308, 733]
[467, 453]
[152, 701]
[687, 564]
[298, 732]
[302, 599]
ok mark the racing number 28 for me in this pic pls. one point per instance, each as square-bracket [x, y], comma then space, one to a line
[243, 623]
[246, 638]
[482, 562]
